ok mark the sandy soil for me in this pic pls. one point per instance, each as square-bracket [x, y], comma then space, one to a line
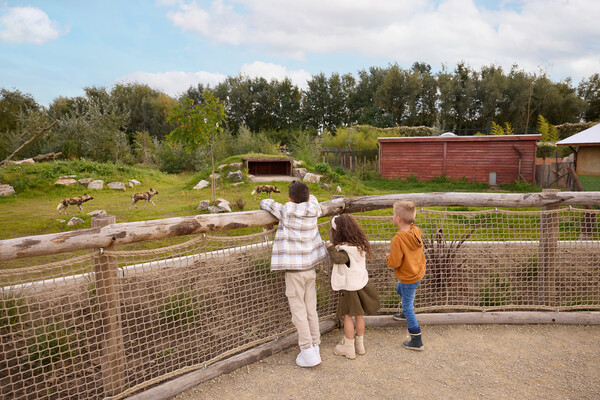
[459, 362]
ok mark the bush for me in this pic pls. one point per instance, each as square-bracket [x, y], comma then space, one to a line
[323, 168]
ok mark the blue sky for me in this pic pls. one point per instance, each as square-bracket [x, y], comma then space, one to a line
[52, 48]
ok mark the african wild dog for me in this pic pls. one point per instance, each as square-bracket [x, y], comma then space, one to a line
[268, 189]
[146, 196]
[73, 201]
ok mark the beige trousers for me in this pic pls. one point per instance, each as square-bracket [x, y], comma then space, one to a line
[301, 291]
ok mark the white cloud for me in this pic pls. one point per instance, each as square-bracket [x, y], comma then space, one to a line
[278, 72]
[28, 25]
[561, 34]
[173, 83]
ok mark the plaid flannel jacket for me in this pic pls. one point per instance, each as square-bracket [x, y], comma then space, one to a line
[297, 245]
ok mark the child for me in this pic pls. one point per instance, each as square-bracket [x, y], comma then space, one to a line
[297, 249]
[348, 250]
[408, 261]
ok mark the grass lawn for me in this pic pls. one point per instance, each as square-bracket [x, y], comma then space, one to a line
[590, 183]
[32, 211]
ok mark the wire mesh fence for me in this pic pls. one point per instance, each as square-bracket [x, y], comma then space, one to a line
[127, 320]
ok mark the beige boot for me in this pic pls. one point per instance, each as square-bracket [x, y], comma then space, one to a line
[360, 344]
[345, 348]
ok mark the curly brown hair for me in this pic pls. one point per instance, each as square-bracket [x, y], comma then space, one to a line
[349, 231]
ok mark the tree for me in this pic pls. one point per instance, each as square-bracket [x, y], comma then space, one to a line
[198, 125]
[589, 90]
[13, 103]
[392, 95]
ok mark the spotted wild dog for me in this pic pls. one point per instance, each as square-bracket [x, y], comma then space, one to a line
[73, 201]
[146, 196]
[268, 189]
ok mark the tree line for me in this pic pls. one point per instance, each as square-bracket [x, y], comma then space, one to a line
[129, 122]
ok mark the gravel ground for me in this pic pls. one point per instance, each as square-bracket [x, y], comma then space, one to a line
[459, 362]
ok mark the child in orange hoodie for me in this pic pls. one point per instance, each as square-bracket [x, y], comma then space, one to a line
[408, 261]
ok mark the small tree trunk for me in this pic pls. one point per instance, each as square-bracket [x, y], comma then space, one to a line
[35, 136]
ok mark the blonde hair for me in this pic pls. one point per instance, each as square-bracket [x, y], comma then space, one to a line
[405, 210]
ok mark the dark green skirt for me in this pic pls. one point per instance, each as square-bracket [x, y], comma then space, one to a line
[358, 302]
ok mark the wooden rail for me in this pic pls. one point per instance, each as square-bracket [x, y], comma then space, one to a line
[131, 232]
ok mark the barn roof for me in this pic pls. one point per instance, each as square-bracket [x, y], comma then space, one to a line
[482, 138]
[588, 137]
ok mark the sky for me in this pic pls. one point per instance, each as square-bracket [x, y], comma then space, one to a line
[52, 48]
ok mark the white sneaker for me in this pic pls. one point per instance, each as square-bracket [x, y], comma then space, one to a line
[308, 358]
[318, 352]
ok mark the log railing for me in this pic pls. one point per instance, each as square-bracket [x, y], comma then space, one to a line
[131, 232]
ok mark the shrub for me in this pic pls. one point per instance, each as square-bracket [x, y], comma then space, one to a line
[323, 168]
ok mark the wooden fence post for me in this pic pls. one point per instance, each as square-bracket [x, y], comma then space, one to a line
[107, 289]
[547, 253]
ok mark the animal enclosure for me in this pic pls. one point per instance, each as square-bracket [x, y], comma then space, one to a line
[130, 319]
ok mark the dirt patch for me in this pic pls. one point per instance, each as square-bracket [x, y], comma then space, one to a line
[459, 362]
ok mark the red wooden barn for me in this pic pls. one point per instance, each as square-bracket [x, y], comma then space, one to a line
[489, 159]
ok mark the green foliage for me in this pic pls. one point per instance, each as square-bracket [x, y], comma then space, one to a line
[547, 130]
[521, 187]
[12, 305]
[590, 183]
[304, 147]
[145, 148]
[569, 129]
[181, 308]
[50, 344]
[323, 168]
[495, 291]
[174, 159]
[499, 130]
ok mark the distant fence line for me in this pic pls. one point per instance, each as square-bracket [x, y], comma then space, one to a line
[130, 319]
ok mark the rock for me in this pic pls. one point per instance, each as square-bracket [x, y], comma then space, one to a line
[75, 221]
[338, 189]
[224, 204]
[313, 178]
[6, 190]
[216, 174]
[97, 185]
[324, 186]
[203, 205]
[236, 165]
[220, 167]
[97, 213]
[135, 182]
[238, 183]
[250, 176]
[130, 184]
[61, 221]
[202, 184]
[65, 181]
[116, 186]
[235, 175]
[215, 210]
[296, 163]
[299, 172]
[67, 177]
[85, 181]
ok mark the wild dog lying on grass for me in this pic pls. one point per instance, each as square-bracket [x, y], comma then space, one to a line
[146, 196]
[268, 189]
[73, 201]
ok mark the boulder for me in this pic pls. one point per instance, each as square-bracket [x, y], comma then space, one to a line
[324, 186]
[296, 163]
[65, 181]
[215, 209]
[224, 204]
[235, 175]
[299, 172]
[85, 181]
[6, 190]
[313, 178]
[96, 213]
[236, 165]
[238, 183]
[75, 221]
[135, 182]
[97, 185]
[338, 189]
[203, 205]
[202, 184]
[220, 167]
[67, 176]
[117, 186]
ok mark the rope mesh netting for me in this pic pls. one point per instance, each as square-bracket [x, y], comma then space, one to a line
[130, 319]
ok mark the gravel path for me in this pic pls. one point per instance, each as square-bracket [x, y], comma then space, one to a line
[459, 362]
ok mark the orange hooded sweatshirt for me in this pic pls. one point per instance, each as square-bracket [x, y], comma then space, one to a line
[406, 256]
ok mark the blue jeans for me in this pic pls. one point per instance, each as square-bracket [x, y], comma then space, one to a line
[407, 293]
